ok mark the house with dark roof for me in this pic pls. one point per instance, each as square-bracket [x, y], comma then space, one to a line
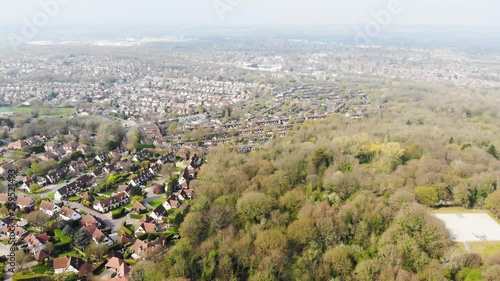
[159, 212]
[113, 202]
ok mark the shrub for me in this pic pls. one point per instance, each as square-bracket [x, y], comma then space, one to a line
[118, 213]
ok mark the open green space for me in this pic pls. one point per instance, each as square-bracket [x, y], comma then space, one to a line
[485, 248]
[157, 202]
[42, 111]
[61, 236]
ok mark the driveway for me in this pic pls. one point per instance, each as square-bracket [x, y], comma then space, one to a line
[106, 218]
[5, 250]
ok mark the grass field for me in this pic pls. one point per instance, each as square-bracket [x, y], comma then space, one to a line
[64, 238]
[157, 202]
[485, 248]
[41, 111]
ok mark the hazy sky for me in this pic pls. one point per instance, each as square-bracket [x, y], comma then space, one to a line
[254, 12]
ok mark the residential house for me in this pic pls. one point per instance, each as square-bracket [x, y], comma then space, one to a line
[142, 155]
[49, 208]
[123, 240]
[159, 212]
[139, 248]
[113, 202]
[89, 220]
[27, 182]
[42, 181]
[173, 202]
[68, 190]
[60, 152]
[70, 264]
[138, 208]
[146, 228]
[18, 232]
[4, 168]
[119, 266]
[70, 147]
[40, 255]
[187, 193]
[34, 244]
[84, 181]
[57, 175]
[117, 152]
[21, 202]
[97, 235]
[158, 188]
[18, 145]
[68, 214]
[101, 158]
[99, 172]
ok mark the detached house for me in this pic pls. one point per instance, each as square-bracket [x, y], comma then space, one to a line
[97, 235]
[17, 145]
[159, 212]
[34, 244]
[138, 208]
[49, 208]
[27, 182]
[70, 264]
[89, 220]
[68, 214]
[119, 266]
[19, 232]
[173, 202]
[141, 247]
[70, 147]
[21, 202]
[146, 228]
[113, 202]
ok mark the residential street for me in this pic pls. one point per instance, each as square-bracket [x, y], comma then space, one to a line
[106, 218]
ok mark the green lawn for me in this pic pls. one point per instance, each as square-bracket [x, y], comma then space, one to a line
[27, 275]
[40, 269]
[64, 238]
[41, 111]
[485, 248]
[51, 195]
[157, 202]
[128, 206]
[68, 253]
